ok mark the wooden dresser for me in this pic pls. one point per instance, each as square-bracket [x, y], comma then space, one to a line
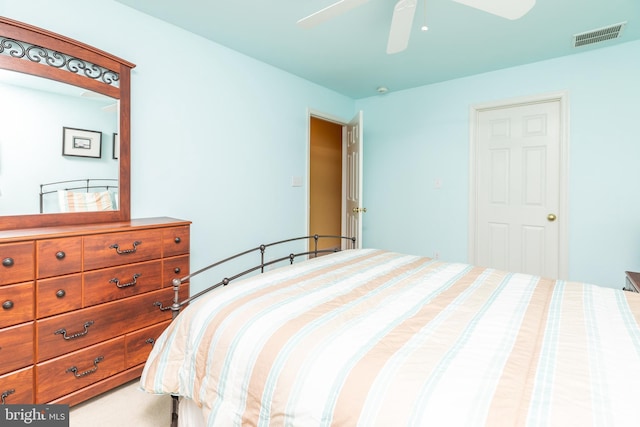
[632, 281]
[81, 305]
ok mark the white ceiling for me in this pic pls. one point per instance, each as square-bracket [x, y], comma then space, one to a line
[348, 53]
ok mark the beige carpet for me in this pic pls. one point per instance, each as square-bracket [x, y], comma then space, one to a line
[125, 406]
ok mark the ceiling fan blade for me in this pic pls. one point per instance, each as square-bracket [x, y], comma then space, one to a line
[329, 12]
[401, 24]
[510, 9]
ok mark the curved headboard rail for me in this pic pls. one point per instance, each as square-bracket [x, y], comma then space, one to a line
[177, 304]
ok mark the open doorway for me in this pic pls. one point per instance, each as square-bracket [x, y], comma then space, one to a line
[325, 180]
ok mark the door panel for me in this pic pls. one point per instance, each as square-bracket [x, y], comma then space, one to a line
[517, 186]
[354, 207]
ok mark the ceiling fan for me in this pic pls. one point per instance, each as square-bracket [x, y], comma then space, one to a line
[404, 11]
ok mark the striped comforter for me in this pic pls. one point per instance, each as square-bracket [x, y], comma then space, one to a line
[376, 338]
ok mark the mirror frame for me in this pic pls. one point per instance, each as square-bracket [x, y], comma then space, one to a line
[40, 38]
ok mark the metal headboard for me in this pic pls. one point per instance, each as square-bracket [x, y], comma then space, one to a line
[177, 304]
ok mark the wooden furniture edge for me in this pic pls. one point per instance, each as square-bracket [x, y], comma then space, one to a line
[84, 229]
[634, 279]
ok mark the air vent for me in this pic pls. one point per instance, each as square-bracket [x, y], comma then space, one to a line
[596, 36]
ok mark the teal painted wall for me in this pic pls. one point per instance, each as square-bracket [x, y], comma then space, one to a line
[217, 136]
[416, 136]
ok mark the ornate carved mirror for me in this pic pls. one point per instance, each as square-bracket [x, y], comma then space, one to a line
[65, 132]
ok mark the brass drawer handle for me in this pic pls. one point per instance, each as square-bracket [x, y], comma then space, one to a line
[125, 285]
[8, 262]
[60, 255]
[150, 341]
[126, 251]
[7, 305]
[6, 394]
[74, 370]
[63, 332]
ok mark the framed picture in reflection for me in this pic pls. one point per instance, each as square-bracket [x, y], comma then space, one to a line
[81, 143]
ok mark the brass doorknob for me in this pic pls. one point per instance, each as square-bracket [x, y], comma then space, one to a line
[551, 217]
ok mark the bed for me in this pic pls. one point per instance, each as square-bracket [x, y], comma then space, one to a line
[79, 195]
[367, 337]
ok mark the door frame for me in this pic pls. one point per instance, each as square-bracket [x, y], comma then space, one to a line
[563, 209]
[334, 119]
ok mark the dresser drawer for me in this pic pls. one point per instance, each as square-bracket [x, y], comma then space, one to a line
[79, 369]
[119, 282]
[58, 295]
[138, 344]
[71, 331]
[175, 241]
[16, 347]
[111, 249]
[59, 256]
[17, 387]
[174, 268]
[16, 262]
[16, 304]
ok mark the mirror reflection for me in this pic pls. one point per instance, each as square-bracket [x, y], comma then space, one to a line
[58, 147]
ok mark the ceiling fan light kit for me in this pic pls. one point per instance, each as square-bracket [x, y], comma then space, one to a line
[404, 11]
